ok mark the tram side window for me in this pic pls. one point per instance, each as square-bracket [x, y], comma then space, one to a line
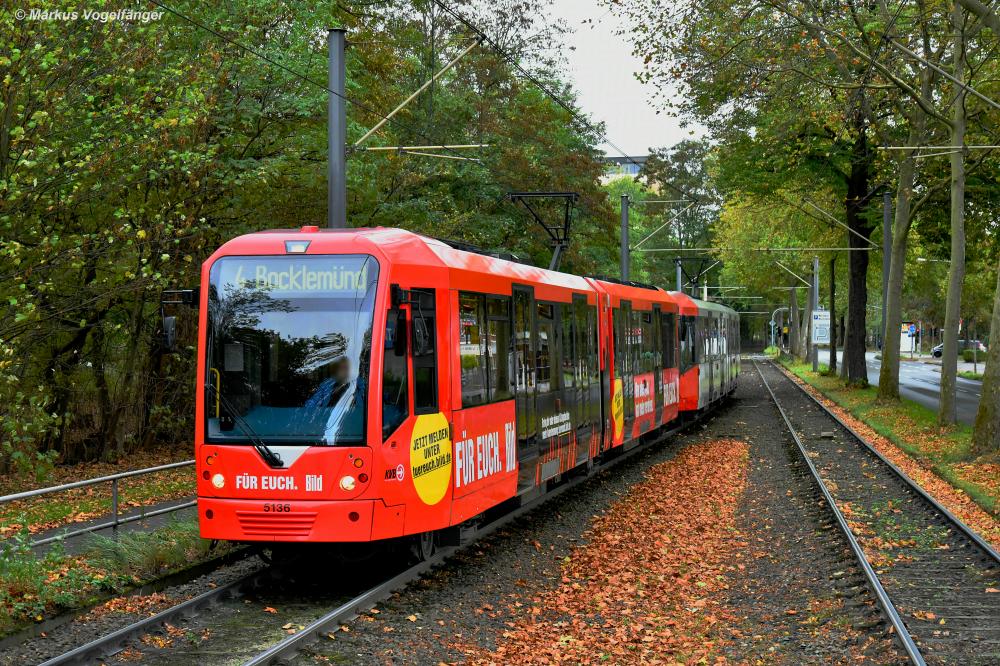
[630, 340]
[688, 343]
[683, 342]
[701, 336]
[693, 329]
[395, 406]
[546, 353]
[472, 352]
[619, 341]
[593, 365]
[581, 350]
[522, 336]
[499, 351]
[568, 373]
[656, 341]
[668, 332]
[628, 345]
[424, 345]
[635, 342]
[648, 351]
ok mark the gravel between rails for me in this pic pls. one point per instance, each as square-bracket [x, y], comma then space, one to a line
[945, 588]
[802, 597]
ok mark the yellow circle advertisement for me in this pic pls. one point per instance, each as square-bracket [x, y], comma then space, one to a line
[430, 457]
[618, 409]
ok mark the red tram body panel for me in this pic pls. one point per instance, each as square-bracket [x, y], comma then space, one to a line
[366, 384]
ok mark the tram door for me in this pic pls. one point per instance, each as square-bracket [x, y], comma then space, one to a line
[525, 386]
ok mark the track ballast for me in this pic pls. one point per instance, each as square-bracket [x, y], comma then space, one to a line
[939, 577]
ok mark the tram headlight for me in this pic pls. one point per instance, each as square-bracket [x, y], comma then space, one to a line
[347, 483]
[218, 481]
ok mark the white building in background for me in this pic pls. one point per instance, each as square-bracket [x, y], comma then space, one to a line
[618, 166]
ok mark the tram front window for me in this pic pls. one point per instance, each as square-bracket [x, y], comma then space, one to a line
[289, 349]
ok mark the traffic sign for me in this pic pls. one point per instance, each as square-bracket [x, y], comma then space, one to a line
[913, 329]
[821, 327]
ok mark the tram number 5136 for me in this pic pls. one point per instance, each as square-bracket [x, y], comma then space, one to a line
[277, 508]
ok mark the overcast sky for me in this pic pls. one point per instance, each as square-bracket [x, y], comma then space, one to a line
[602, 70]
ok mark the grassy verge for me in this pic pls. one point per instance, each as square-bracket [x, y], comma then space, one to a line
[978, 376]
[33, 588]
[47, 511]
[913, 429]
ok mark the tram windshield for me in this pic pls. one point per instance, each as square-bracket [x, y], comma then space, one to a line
[288, 349]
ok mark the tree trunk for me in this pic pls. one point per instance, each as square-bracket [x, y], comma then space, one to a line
[888, 380]
[833, 315]
[986, 432]
[857, 293]
[956, 274]
[804, 330]
[843, 336]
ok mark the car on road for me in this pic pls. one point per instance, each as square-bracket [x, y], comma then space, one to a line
[938, 351]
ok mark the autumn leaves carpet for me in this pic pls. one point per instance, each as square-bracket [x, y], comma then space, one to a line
[642, 588]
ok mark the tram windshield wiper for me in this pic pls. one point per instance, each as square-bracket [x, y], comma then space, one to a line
[268, 454]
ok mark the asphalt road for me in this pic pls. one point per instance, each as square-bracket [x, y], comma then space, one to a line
[921, 383]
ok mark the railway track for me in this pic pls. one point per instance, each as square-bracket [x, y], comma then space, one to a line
[936, 580]
[109, 644]
[345, 608]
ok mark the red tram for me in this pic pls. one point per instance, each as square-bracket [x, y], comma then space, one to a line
[359, 385]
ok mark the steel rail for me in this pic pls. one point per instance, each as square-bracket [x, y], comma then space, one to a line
[291, 645]
[902, 633]
[913, 485]
[102, 647]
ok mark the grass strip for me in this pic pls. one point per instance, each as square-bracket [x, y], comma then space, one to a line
[33, 588]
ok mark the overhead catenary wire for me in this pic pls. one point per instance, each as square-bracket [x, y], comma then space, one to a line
[836, 221]
[761, 249]
[483, 37]
[575, 114]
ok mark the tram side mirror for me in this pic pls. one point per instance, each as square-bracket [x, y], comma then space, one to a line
[399, 334]
[172, 297]
[170, 333]
[397, 295]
